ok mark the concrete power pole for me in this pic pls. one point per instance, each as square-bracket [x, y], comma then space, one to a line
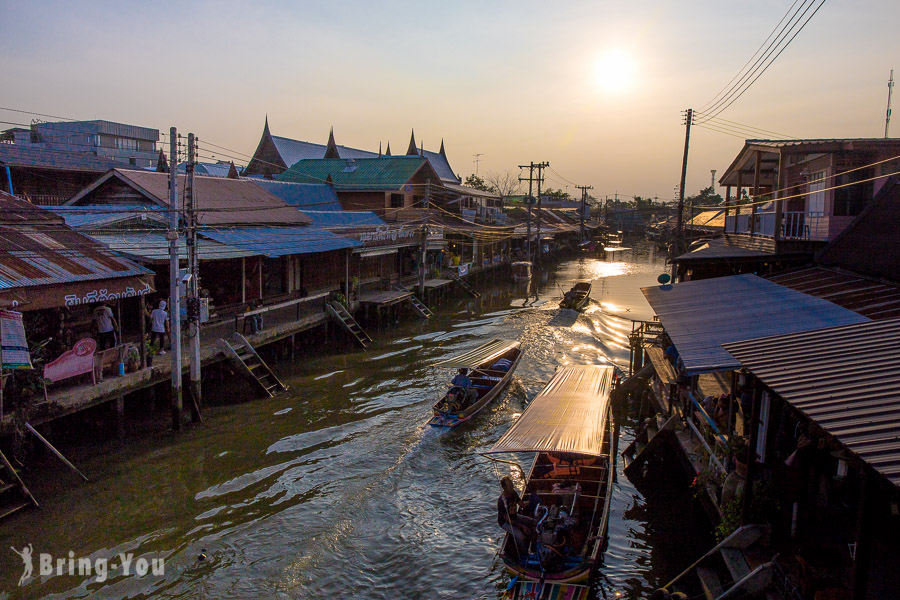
[540, 177]
[192, 289]
[584, 189]
[424, 251]
[679, 227]
[174, 304]
[528, 202]
[712, 180]
[887, 119]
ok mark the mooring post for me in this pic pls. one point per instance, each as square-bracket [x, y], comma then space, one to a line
[120, 418]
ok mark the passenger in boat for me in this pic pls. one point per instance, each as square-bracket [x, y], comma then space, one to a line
[461, 380]
[504, 364]
[508, 519]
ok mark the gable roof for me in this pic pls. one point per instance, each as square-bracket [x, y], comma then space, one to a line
[442, 166]
[385, 173]
[98, 216]
[218, 200]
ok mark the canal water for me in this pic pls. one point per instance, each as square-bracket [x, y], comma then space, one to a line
[338, 489]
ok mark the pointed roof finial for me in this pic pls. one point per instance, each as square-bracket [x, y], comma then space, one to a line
[232, 171]
[162, 165]
[387, 152]
[412, 150]
[379, 148]
[331, 150]
[444, 154]
[266, 127]
[329, 180]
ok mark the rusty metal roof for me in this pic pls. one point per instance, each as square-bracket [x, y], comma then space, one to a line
[40, 251]
[844, 378]
[874, 299]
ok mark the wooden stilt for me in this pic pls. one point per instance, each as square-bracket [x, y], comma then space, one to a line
[120, 418]
[751, 453]
[56, 452]
[863, 536]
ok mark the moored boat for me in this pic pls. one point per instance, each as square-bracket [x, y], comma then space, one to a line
[567, 429]
[491, 367]
[521, 270]
[577, 297]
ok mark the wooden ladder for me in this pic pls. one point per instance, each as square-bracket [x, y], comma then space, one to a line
[248, 362]
[417, 304]
[337, 312]
[466, 287]
[14, 495]
[640, 449]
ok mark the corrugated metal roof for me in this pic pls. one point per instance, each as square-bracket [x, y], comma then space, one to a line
[479, 355]
[467, 191]
[100, 215]
[715, 250]
[844, 378]
[872, 299]
[219, 201]
[385, 173]
[312, 196]
[333, 219]
[40, 252]
[292, 151]
[569, 415]
[154, 247]
[14, 155]
[702, 315]
[441, 166]
[283, 241]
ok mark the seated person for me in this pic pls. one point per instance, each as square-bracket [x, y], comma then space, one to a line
[672, 354]
[509, 520]
[462, 380]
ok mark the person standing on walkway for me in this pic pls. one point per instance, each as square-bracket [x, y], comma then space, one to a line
[159, 326]
[106, 326]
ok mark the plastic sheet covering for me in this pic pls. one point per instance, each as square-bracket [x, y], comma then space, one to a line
[569, 415]
[479, 355]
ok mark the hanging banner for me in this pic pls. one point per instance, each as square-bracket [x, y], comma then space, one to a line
[13, 345]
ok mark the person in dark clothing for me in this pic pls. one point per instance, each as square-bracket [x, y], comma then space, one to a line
[508, 505]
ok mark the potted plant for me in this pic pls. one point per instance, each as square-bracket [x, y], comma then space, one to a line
[151, 349]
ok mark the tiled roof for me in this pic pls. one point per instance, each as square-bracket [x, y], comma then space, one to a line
[386, 173]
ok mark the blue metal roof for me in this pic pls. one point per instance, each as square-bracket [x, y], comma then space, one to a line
[702, 315]
[343, 218]
[154, 247]
[312, 196]
[96, 215]
[282, 241]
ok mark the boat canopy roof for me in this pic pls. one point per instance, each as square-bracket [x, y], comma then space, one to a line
[480, 355]
[569, 415]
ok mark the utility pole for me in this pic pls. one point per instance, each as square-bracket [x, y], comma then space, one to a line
[424, 250]
[192, 289]
[679, 228]
[528, 202]
[174, 304]
[540, 177]
[887, 119]
[584, 189]
[712, 180]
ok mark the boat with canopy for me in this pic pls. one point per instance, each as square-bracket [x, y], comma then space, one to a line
[568, 431]
[521, 270]
[490, 368]
[577, 297]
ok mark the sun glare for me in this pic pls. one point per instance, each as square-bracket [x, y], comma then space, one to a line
[614, 71]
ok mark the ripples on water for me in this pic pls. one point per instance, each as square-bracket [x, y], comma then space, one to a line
[338, 489]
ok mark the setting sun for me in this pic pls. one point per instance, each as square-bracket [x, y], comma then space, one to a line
[614, 71]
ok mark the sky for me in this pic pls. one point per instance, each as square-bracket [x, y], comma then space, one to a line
[594, 88]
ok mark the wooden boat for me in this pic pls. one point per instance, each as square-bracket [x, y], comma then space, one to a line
[567, 429]
[577, 297]
[521, 270]
[487, 380]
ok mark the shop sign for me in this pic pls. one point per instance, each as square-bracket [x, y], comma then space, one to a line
[13, 344]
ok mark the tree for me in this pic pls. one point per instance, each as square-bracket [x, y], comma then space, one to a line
[503, 184]
[476, 182]
[555, 194]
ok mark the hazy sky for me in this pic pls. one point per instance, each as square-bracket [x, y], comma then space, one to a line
[515, 81]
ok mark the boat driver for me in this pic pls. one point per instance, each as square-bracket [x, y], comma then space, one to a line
[462, 380]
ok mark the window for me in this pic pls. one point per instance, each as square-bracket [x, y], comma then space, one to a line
[126, 144]
[396, 200]
[816, 199]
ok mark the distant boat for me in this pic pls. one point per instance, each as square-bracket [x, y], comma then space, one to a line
[567, 429]
[521, 270]
[577, 297]
[491, 367]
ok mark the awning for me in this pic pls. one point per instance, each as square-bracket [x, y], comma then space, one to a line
[370, 252]
[569, 415]
[702, 315]
[479, 355]
[154, 247]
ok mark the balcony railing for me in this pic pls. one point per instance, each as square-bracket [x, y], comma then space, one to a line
[795, 225]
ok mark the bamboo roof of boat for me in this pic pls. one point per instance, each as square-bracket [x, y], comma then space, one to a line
[479, 356]
[569, 415]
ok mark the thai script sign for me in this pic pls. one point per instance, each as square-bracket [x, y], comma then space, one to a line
[13, 344]
[387, 234]
[104, 295]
